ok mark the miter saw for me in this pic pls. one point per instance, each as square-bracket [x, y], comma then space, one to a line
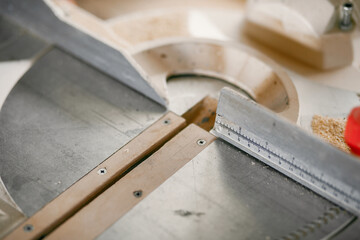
[177, 120]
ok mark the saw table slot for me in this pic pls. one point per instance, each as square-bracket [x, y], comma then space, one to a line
[108, 207]
[83, 191]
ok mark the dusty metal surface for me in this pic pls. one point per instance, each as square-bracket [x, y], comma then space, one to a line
[16, 43]
[223, 193]
[287, 148]
[18, 50]
[36, 17]
[351, 233]
[65, 116]
[61, 120]
[123, 195]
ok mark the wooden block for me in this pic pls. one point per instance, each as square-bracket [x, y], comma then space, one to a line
[83, 191]
[333, 49]
[306, 30]
[203, 113]
[108, 207]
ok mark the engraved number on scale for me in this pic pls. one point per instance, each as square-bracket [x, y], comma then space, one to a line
[283, 164]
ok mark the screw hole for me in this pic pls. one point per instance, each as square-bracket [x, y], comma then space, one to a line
[137, 193]
[102, 171]
[201, 142]
[348, 5]
[167, 121]
[28, 228]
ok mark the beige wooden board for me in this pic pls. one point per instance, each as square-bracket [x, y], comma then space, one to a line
[83, 191]
[108, 207]
[203, 113]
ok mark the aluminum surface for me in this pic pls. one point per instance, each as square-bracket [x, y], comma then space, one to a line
[61, 120]
[16, 43]
[351, 233]
[18, 50]
[289, 149]
[36, 17]
[10, 217]
[224, 193]
[64, 117]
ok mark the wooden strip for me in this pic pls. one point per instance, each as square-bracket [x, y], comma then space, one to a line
[203, 113]
[108, 207]
[83, 191]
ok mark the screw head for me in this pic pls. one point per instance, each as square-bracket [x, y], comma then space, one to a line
[137, 193]
[201, 142]
[345, 21]
[28, 228]
[102, 171]
[218, 128]
[167, 121]
[348, 6]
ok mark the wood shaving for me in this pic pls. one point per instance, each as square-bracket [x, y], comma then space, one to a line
[331, 130]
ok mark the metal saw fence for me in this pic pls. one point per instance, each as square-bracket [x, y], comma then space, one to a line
[315, 164]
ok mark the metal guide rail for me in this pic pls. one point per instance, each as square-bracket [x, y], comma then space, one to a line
[315, 164]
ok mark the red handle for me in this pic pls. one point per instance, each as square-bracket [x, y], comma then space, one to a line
[352, 131]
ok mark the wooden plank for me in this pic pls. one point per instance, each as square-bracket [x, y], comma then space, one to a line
[83, 191]
[203, 113]
[108, 207]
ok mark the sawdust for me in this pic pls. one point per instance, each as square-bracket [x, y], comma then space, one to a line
[331, 130]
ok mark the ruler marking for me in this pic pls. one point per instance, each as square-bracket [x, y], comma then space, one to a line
[315, 181]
